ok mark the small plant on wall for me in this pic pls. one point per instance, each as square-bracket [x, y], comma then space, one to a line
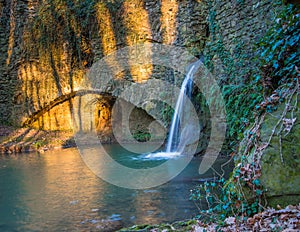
[141, 134]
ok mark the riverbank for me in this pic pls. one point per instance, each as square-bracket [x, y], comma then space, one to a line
[287, 220]
[16, 140]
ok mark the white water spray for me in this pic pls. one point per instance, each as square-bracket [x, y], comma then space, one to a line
[173, 149]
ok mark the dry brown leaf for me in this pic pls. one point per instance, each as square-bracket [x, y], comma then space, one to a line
[230, 221]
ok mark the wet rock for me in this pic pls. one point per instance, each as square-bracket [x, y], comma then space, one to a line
[109, 226]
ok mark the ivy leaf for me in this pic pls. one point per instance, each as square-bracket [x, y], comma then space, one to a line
[277, 44]
[256, 182]
[257, 78]
[258, 192]
[264, 52]
[291, 58]
[293, 40]
[275, 64]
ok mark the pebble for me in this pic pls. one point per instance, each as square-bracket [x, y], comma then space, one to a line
[74, 202]
[115, 217]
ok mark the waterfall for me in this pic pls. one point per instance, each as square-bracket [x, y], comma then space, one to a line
[180, 125]
[185, 90]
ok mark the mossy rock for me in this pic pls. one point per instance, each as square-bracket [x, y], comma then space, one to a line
[281, 159]
[186, 225]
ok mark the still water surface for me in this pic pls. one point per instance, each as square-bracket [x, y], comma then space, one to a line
[56, 191]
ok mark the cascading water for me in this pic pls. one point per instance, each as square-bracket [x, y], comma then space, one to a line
[185, 90]
[173, 149]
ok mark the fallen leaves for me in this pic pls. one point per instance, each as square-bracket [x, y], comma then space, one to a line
[287, 219]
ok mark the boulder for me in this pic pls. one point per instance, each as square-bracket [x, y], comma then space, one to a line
[280, 163]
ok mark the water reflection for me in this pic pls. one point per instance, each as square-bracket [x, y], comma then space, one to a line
[57, 192]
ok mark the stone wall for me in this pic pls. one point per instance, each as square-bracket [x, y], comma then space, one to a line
[271, 144]
[46, 54]
[45, 58]
[235, 26]
[13, 14]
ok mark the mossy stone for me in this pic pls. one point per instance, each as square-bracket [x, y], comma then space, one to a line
[280, 161]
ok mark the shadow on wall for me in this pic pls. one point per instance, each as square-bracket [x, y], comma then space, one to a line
[61, 40]
[102, 115]
[11, 36]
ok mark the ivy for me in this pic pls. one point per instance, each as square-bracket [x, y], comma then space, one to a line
[244, 87]
[241, 195]
[62, 23]
[279, 50]
[240, 90]
[259, 90]
[240, 108]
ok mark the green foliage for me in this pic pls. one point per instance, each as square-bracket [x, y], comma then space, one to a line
[241, 195]
[167, 114]
[246, 94]
[144, 227]
[244, 87]
[212, 19]
[241, 101]
[142, 136]
[39, 143]
[240, 1]
[140, 132]
[241, 93]
[62, 24]
[279, 50]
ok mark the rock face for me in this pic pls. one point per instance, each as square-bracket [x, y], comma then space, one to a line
[281, 160]
[13, 14]
[235, 26]
[272, 144]
[39, 66]
[48, 47]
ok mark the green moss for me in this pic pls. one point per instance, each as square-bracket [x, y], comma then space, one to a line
[144, 227]
[280, 161]
[176, 226]
[283, 200]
